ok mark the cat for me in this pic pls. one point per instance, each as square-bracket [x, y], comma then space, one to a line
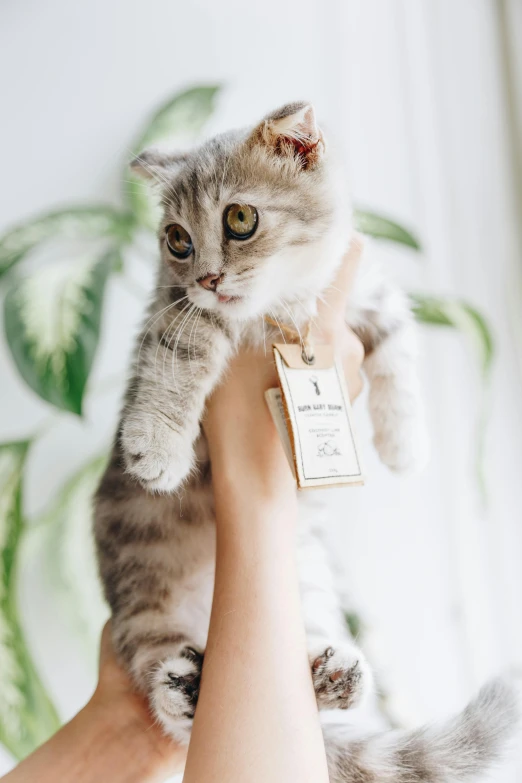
[255, 223]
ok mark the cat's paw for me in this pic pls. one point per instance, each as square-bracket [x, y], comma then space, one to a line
[175, 691]
[341, 677]
[155, 453]
[405, 447]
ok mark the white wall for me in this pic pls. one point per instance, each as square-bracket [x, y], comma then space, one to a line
[415, 92]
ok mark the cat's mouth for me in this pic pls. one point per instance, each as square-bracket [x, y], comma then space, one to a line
[231, 305]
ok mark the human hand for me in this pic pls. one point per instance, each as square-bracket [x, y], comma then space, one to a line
[113, 738]
[116, 708]
[330, 325]
[242, 437]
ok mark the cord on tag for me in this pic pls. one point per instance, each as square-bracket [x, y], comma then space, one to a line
[307, 347]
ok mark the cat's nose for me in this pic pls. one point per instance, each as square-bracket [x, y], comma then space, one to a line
[210, 282]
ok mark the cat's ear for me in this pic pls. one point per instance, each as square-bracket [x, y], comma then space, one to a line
[155, 164]
[292, 130]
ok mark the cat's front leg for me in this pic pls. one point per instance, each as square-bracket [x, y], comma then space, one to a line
[396, 406]
[165, 402]
[380, 315]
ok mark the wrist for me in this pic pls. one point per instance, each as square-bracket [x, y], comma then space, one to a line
[249, 444]
[126, 736]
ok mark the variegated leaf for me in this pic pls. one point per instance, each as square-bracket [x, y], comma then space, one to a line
[52, 324]
[443, 311]
[456, 314]
[70, 557]
[72, 223]
[382, 228]
[27, 716]
[181, 117]
[177, 122]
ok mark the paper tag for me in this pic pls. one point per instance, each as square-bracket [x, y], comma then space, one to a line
[320, 435]
[274, 400]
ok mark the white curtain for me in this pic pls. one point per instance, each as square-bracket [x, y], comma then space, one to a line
[430, 139]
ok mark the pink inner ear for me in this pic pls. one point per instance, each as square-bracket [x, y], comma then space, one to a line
[304, 148]
[304, 137]
[307, 126]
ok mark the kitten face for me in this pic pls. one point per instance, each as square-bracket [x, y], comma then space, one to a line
[252, 219]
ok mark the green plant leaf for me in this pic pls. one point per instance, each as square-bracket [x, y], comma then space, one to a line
[182, 116]
[354, 624]
[382, 228]
[440, 311]
[178, 121]
[91, 222]
[27, 715]
[52, 325]
[70, 557]
[454, 313]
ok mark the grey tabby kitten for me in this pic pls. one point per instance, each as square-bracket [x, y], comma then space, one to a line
[255, 222]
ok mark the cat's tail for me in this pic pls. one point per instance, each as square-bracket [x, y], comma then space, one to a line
[455, 751]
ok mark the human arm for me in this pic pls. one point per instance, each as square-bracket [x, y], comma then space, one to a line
[257, 716]
[113, 738]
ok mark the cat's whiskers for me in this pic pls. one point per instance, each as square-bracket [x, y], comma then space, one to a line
[164, 309]
[170, 334]
[180, 331]
[289, 311]
[308, 315]
[164, 338]
[191, 314]
[323, 300]
[264, 332]
[154, 173]
[167, 187]
[334, 288]
[196, 319]
[197, 326]
[139, 182]
[155, 318]
[193, 332]
[274, 317]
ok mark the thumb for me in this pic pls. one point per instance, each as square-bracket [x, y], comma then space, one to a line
[106, 651]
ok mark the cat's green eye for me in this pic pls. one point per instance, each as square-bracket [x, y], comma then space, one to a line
[240, 221]
[178, 241]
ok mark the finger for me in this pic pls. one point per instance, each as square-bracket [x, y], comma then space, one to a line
[354, 383]
[112, 677]
[106, 650]
[332, 308]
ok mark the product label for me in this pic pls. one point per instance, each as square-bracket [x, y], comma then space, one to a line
[320, 437]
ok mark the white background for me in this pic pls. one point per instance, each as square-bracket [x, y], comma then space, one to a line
[423, 97]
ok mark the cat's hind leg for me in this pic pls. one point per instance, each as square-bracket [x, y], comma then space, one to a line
[341, 675]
